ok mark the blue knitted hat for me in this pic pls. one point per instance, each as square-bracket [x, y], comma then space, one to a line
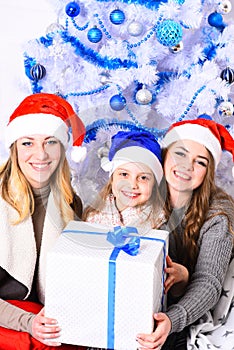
[137, 147]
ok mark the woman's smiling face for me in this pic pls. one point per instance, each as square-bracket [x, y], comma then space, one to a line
[185, 166]
[38, 158]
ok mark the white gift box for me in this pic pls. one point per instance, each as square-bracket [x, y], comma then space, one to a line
[100, 295]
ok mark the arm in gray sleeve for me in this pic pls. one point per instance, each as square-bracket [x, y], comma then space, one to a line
[204, 289]
[12, 317]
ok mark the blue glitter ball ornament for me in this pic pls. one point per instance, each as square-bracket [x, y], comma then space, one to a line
[117, 102]
[37, 72]
[117, 17]
[169, 33]
[215, 19]
[204, 116]
[228, 75]
[94, 35]
[72, 9]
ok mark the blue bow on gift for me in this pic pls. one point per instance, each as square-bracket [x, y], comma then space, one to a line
[121, 238]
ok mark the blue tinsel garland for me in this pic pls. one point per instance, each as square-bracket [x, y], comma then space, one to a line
[92, 129]
[94, 57]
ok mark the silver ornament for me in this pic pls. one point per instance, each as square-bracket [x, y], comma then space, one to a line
[226, 109]
[103, 151]
[225, 7]
[105, 78]
[135, 28]
[177, 48]
[143, 96]
[55, 27]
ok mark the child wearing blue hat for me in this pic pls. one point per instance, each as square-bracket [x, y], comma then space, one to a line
[131, 196]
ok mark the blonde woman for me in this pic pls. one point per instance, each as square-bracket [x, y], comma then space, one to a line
[36, 202]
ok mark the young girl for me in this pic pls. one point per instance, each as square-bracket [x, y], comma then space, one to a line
[36, 202]
[131, 196]
[200, 217]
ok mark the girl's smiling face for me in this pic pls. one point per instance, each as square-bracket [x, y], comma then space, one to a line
[185, 167]
[38, 158]
[132, 185]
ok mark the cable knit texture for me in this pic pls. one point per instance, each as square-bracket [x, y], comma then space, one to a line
[215, 250]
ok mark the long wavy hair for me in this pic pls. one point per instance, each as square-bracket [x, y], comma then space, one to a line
[17, 192]
[205, 203]
[156, 201]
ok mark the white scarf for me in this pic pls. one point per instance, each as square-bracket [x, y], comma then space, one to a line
[18, 253]
[139, 217]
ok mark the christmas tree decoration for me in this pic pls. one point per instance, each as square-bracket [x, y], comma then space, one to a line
[117, 17]
[169, 33]
[204, 116]
[177, 48]
[225, 7]
[215, 19]
[144, 96]
[117, 102]
[37, 72]
[72, 9]
[94, 35]
[135, 28]
[105, 78]
[228, 75]
[54, 27]
[136, 65]
[226, 109]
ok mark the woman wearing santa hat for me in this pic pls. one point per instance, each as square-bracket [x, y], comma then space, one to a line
[201, 221]
[36, 202]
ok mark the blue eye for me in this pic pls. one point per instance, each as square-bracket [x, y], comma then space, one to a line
[52, 141]
[181, 154]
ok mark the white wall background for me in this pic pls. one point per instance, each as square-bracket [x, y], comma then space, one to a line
[20, 21]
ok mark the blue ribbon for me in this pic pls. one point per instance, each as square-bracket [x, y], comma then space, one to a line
[122, 240]
[120, 235]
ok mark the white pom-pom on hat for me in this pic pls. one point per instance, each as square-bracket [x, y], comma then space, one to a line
[78, 153]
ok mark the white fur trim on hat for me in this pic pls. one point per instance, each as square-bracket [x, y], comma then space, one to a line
[31, 124]
[134, 154]
[196, 133]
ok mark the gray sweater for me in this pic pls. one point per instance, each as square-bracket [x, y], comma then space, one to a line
[215, 245]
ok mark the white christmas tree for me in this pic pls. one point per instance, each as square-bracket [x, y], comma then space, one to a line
[135, 64]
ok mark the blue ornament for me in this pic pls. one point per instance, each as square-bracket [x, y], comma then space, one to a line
[117, 17]
[228, 75]
[72, 9]
[204, 116]
[37, 72]
[94, 35]
[215, 19]
[117, 102]
[169, 33]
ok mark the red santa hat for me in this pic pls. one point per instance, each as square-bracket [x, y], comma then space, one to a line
[212, 135]
[47, 114]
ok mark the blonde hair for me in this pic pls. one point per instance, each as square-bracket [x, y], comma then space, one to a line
[155, 201]
[202, 207]
[17, 192]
